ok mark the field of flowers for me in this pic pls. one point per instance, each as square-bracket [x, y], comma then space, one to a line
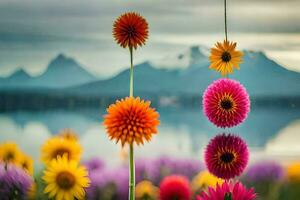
[165, 178]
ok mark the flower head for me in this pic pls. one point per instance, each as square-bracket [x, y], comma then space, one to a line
[110, 183]
[26, 162]
[226, 156]
[226, 103]
[146, 190]
[265, 171]
[293, 172]
[224, 57]
[65, 180]
[9, 153]
[94, 164]
[14, 182]
[58, 146]
[68, 134]
[203, 180]
[236, 191]
[131, 120]
[175, 187]
[130, 30]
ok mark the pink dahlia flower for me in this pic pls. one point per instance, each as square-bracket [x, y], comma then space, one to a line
[226, 103]
[228, 191]
[226, 156]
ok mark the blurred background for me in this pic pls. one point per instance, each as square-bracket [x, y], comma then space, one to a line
[60, 68]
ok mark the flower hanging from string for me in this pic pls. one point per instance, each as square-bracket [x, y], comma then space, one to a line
[131, 120]
[224, 57]
[226, 103]
[226, 156]
[130, 30]
[65, 180]
[228, 191]
[175, 187]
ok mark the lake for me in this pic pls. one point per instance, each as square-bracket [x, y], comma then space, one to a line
[270, 132]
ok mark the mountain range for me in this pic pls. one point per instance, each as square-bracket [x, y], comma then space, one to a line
[177, 75]
[61, 72]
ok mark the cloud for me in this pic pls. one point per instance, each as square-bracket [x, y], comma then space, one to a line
[32, 31]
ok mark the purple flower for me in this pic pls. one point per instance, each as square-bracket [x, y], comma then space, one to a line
[108, 184]
[94, 164]
[156, 169]
[187, 167]
[265, 171]
[14, 182]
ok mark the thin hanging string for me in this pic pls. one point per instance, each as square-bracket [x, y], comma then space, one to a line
[225, 18]
[225, 22]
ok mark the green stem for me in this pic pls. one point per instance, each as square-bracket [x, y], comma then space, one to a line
[132, 175]
[131, 151]
[131, 73]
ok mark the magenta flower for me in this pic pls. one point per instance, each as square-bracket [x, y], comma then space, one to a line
[232, 191]
[226, 103]
[226, 156]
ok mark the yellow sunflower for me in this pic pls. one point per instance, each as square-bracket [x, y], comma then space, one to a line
[9, 153]
[65, 180]
[26, 162]
[203, 180]
[293, 172]
[224, 57]
[146, 190]
[68, 134]
[58, 146]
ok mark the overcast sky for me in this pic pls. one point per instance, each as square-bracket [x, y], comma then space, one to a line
[32, 32]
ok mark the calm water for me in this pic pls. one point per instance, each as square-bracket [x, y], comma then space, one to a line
[183, 132]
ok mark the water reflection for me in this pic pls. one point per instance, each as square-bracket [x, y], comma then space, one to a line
[183, 132]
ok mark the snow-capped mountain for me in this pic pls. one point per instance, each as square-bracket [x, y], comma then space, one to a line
[196, 55]
[185, 74]
[259, 74]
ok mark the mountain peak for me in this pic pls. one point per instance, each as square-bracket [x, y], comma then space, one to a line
[20, 73]
[62, 59]
[197, 54]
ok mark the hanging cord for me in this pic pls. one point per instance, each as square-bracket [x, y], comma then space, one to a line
[225, 18]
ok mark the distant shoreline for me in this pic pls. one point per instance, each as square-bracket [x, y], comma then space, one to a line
[32, 100]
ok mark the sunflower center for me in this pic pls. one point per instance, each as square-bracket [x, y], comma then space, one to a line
[9, 156]
[24, 165]
[226, 56]
[227, 157]
[60, 152]
[226, 104]
[65, 180]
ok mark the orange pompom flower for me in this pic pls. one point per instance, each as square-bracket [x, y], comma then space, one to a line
[131, 120]
[130, 30]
